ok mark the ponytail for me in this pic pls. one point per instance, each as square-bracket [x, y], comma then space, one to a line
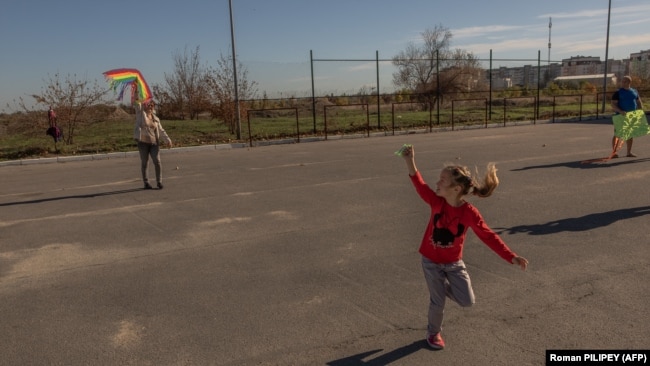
[463, 177]
[489, 184]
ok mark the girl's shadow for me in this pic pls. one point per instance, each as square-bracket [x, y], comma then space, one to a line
[385, 359]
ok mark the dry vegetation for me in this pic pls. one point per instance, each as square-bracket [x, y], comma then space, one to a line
[102, 129]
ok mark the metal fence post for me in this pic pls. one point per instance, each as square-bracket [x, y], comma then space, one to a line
[378, 102]
[313, 92]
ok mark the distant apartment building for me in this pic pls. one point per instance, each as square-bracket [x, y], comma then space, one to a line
[590, 69]
[575, 69]
[640, 56]
[524, 76]
[581, 65]
[594, 79]
[639, 64]
[619, 68]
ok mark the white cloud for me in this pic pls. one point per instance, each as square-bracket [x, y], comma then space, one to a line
[506, 46]
[484, 30]
[578, 14]
[627, 40]
[362, 67]
[638, 10]
[633, 22]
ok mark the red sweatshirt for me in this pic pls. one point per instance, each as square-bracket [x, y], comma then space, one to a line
[445, 234]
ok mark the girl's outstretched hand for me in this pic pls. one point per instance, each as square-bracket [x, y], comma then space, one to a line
[407, 152]
[521, 261]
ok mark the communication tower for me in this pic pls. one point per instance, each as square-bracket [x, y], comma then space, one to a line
[550, 24]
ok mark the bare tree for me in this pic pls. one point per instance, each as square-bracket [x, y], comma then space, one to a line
[221, 87]
[71, 98]
[165, 101]
[186, 86]
[433, 66]
[172, 93]
[417, 65]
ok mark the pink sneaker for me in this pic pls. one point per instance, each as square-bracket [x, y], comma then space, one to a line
[435, 341]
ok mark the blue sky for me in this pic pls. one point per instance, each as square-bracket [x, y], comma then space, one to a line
[273, 38]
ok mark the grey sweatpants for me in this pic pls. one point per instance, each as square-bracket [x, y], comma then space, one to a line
[152, 150]
[445, 280]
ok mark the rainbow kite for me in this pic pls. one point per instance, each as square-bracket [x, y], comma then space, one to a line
[120, 79]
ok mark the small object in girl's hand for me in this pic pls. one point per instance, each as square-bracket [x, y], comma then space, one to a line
[402, 149]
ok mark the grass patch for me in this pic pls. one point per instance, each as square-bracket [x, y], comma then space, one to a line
[22, 138]
[104, 137]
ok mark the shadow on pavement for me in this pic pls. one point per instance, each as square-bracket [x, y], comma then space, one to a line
[582, 223]
[91, 195]
[384, 359]
[583, 165]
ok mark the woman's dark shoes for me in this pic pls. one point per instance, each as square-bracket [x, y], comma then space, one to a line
[160, 186]
[148, 186]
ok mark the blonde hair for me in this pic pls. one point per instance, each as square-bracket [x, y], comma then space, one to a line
[462, 176]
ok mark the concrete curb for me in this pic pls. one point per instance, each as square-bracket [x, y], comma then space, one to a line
[116, 155]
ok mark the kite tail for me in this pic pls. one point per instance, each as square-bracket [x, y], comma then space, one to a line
[134, 91]
[120, 87]
[618, 144]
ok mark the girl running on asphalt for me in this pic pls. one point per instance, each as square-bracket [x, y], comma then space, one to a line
[442, 244]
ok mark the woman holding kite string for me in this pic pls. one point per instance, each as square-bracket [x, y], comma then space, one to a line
[442, 245]
[149, 133]
[148, 130]
[626, 99]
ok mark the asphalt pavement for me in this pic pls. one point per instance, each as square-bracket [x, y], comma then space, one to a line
[306, 253]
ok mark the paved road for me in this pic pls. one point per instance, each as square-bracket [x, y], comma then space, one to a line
[306, 254]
